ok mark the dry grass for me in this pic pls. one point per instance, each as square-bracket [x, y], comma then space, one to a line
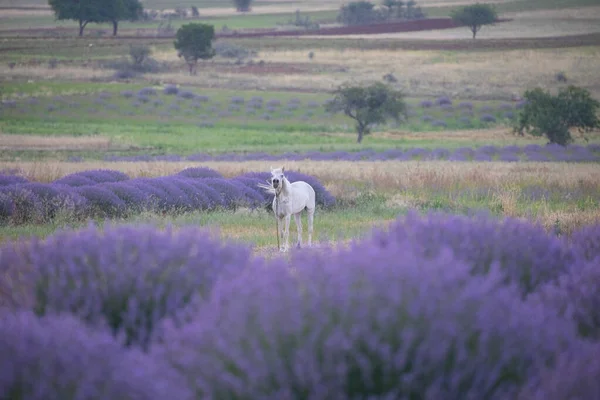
[70, 73]
[464, 74]
[30, 142]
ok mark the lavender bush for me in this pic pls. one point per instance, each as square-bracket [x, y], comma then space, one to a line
[59, 358]
[6, 180]
[369, 322]
[526, 255]
[126, 278]
[200, 172]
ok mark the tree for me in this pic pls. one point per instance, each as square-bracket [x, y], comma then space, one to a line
[390, 5]
[122, 10]
[553, 116]
[96, 11]
[83, 11]
[368, 104]
[475, 16]
[194, 42]
[358, 13]
[242, 5]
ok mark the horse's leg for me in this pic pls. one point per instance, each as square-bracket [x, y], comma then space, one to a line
[298, 219]
[311, 215]
[286, 232]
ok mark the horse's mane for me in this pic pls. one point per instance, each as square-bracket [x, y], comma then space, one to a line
[269, 189]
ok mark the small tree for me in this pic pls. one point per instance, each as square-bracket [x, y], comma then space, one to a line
[242, 5]
[390, 5]
[368, 104]
[83, 12]
[358, 13]
[194, 42]
[139, 53]
[475, 16]
[553, 116]
[122, 10]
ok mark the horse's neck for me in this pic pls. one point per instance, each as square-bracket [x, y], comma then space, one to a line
[286, 188]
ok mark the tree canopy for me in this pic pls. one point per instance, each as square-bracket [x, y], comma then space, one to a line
[96, 11]
[475, 16]
[553, 116]
[194, 42]
[368, 104]
[242, 5]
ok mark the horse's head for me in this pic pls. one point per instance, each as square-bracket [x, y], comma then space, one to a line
[277, 177]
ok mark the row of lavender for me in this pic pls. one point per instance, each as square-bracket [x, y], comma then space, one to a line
[110, 194]
[438, 306]
[532, 152]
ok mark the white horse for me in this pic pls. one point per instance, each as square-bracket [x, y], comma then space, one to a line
[290, 199]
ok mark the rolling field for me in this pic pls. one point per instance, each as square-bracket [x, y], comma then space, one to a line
[449, 253]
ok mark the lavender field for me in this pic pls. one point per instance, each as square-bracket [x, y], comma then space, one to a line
[437, 305]
[112, 194]
[532, 152]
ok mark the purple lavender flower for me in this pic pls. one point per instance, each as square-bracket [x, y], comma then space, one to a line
[363, 323]
[526, 254]
[147, 91]
[125, 277]
[58, 357]
[186, 94]
[426, 104]
[200, 172]
[135, 200]
[443, 100]
[102, 201]
[6, 180]
[488, 118]
[170, 90]
[7, 207]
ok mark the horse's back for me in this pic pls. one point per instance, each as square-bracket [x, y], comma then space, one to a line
[307, 190]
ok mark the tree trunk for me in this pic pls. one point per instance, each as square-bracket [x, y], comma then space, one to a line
[82, 25]
[192, 67]
[115, 27]
[360, 135]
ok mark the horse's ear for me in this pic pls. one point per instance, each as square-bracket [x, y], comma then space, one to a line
[271, 167]
[282, 169]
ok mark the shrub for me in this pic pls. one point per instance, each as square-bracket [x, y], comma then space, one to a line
[573, 376]
[487, 118]
[127, 278]
[139, 53]
[443, 100]
[147, 91]
[135, 200]
[186, 94]
[200, 172]
[368, 322]
[577, 297]
[170, 90]
[57, 357]
[6, 180]
[102, 201]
